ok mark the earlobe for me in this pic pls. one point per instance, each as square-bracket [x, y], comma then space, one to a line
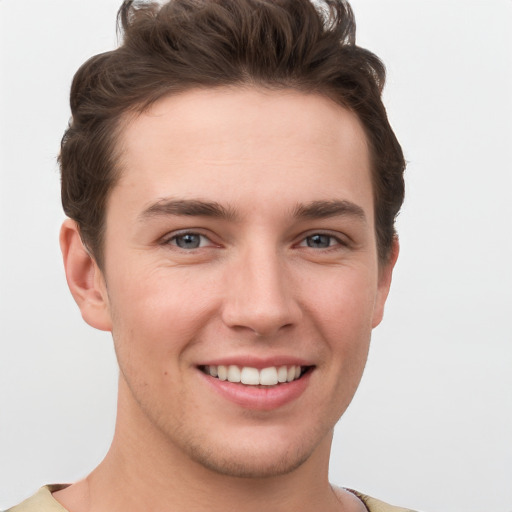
[85, 279]
[385, 275]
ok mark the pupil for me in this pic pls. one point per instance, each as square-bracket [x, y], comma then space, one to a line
[188, 241]
[319, 241]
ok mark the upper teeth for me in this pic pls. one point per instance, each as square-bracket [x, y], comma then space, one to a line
[252, 376]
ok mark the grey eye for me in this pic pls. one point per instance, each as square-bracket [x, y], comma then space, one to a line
[319, 241]
[188, 241]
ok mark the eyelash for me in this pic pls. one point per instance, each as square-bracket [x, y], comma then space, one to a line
[303, 242]
[338, 241]
[173, 239]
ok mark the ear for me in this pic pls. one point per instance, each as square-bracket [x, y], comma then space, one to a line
[385, 275]
[85, 279]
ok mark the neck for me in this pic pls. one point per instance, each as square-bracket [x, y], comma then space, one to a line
[139, 478]
[144, 471]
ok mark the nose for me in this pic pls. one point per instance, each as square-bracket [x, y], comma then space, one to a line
[261, 296]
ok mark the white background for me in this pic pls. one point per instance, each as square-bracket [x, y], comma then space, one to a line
[431, 425]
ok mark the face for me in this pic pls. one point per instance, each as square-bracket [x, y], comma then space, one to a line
[240, 244]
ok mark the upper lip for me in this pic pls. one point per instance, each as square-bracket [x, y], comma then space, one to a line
[257, 362]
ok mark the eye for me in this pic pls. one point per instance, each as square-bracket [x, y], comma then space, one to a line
[321, 241]
[189, 241]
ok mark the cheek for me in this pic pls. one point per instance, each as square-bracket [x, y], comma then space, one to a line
[157, 315]
[343, 305]
[343, 316]
[347, 328]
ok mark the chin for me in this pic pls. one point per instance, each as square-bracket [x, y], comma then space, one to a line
[249, 465]
[257, 457]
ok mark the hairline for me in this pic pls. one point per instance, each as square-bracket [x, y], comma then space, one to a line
[123, 119]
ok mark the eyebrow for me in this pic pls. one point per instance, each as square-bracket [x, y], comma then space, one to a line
[188, 207]
[200, 208]
[326, 209]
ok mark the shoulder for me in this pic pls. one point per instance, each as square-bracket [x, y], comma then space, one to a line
[374, 505]
[41, 501]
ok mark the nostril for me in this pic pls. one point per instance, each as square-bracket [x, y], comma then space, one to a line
[263, 302]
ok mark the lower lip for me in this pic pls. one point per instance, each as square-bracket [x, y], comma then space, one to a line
[259, 398]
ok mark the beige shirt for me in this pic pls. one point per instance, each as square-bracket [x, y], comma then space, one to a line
[43, 501]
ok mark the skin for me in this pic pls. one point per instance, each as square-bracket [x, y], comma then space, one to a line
[259, 285]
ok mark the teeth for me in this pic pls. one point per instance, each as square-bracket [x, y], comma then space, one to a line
[282, 374]
[252, 376]
[234, 373]
[222, 372]
[268, 376]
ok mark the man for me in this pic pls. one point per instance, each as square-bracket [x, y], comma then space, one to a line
[231, 182]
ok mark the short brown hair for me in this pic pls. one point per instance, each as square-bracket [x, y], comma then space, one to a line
[188, 44]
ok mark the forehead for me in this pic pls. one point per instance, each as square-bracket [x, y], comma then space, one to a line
[225, 142]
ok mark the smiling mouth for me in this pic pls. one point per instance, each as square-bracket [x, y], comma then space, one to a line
[270, 376]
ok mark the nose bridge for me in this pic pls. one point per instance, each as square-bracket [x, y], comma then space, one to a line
[260, 296]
